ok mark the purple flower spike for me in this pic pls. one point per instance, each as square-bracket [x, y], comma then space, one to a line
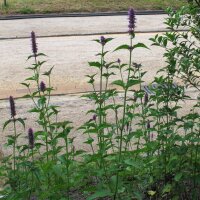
[34, 44]
[12, 107]
[132, 20]
[42, 86]
[94, 117]
[148, 124]
[119, 61]
[31, 138]
[103, 40]
[146, 99]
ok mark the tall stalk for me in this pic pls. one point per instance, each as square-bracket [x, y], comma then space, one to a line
[123, 117]
[67, 163]
[101, 101]
[14, 146]
[5, 2]
[131, 27]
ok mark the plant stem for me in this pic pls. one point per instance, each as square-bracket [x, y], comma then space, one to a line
[67, 165]
[5, 3]
[14, 146]
[123, 119]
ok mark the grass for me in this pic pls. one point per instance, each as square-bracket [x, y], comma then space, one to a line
[59, 6]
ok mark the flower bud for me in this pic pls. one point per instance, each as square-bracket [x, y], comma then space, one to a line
[102, 40]
[42, 86]
[94, 117]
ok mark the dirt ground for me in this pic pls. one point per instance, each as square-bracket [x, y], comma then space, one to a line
[72, 108]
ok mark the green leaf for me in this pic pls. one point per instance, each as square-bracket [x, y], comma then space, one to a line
[89, 141]
[32, 68]
[92, 130]
[34, 110]
[41, 63]
[95, 64]
[132, 163]
[108, 39]
[20, 120]
[39, 133]
[100, 194]
[167, 188]
[41, 54]
[57, 169]
[160, 39]
[6, 123]
[165, 42]
[63, 124]
[30, 57]
[48, 73]
[132, 82]
[124, 46]
[42, 101]
[140, 45]
[151, 192]
[26, 84]
[102, 54]
[33, 78]
[178, 177]
[138, 195]
[10, 140]
[119, 83]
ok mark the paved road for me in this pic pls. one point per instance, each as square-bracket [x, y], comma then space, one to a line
[78, 25]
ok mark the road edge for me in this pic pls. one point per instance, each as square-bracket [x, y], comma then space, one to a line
[95, 14]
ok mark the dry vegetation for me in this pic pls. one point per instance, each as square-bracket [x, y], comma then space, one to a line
[59, 6]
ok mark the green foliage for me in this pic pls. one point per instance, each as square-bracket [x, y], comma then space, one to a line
[142, 145]
[43, 170]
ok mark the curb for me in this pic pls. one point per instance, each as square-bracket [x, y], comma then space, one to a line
[88, 34]
[84, 34]
[96, 14]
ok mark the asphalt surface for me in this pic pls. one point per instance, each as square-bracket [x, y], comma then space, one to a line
[66, 26]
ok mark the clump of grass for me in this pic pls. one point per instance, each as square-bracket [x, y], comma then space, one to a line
[26, 10]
